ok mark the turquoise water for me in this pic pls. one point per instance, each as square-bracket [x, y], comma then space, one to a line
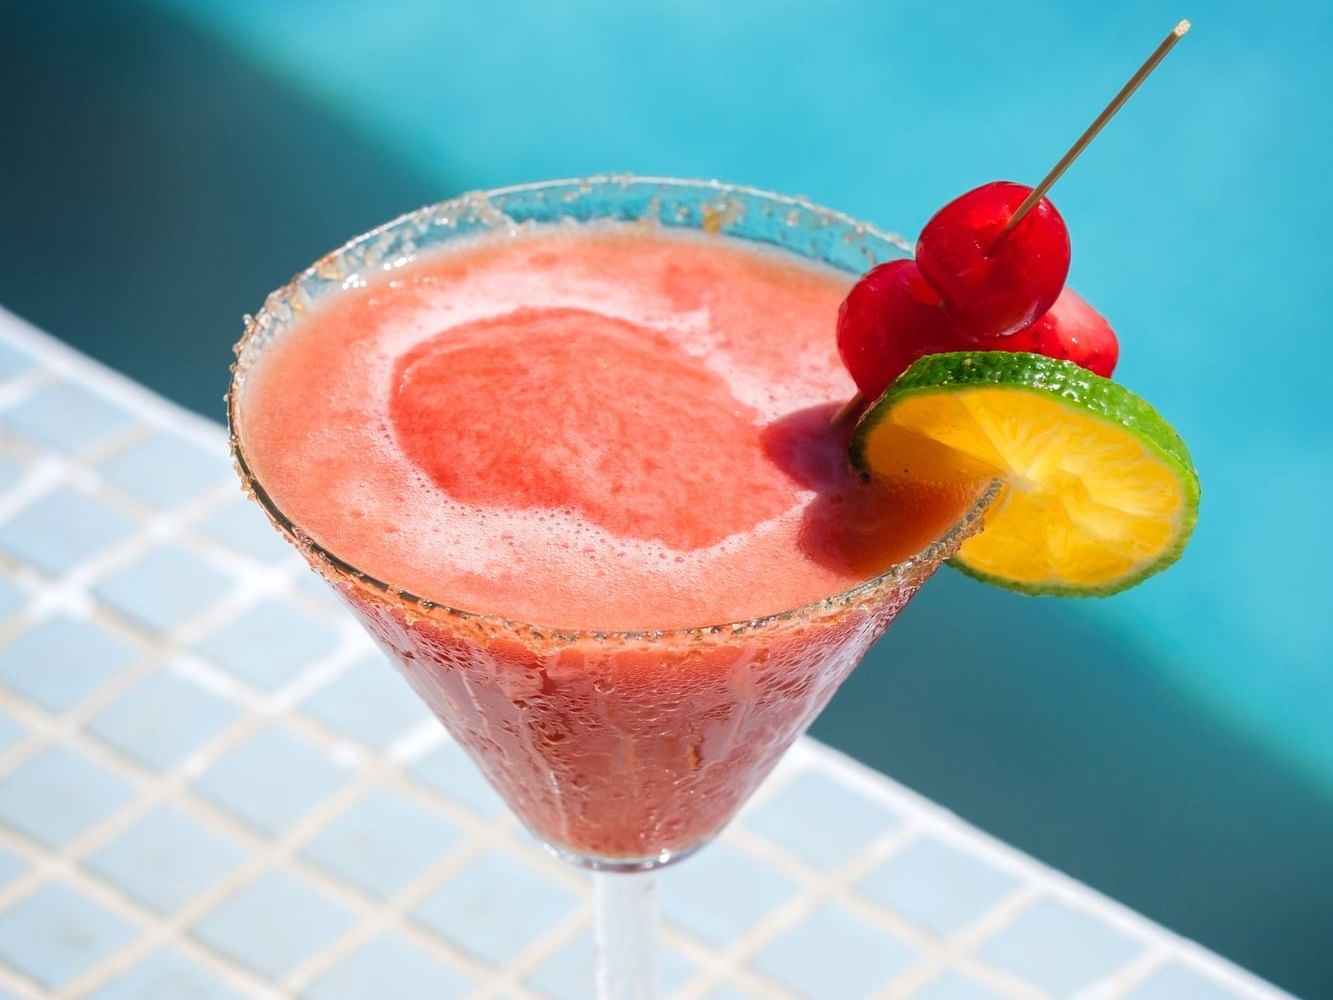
[1171, 745]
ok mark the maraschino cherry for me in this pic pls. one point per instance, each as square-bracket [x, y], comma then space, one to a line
[994, 279]
[1072, 330]
[890, 318]
[989, 286]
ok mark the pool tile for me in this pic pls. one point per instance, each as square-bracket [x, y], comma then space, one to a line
[10, 732]
[163, 588]
[11, 470]
[370, 704]
[12, 865]
[162, 720]
[937, 886]
[568, 974]
[833, 955]
[272, 780]
[62, 529]
[821, 821]
[1175, 982]
[57, 934]
[390, 968]
[14, 360]
[495, 907]
[382, 843]
[240, 526]
[58, 795]
[269, 645]
[12, 597]
[67, 417]
[166, 470]
[166, 859]
[1059, 949]
[721, 893]
[59, 662]
[729, 991]
[273, 924]
[449, 771]
[320, 590]
[165, 975]
[956, 986]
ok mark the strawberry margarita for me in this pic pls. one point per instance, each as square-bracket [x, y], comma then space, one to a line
[618, 433]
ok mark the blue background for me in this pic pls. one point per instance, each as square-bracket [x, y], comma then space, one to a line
[165, 164]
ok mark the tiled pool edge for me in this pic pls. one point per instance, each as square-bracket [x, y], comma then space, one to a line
[827, 895]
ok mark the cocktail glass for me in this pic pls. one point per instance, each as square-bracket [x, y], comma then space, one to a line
[622, 751]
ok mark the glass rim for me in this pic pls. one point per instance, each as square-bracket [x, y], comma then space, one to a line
[334, 568]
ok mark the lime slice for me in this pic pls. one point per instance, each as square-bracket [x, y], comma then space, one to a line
[1098, 491]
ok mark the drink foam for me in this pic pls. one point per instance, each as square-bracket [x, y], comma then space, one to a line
[607, 426]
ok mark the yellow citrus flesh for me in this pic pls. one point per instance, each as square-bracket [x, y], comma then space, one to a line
[1088, 505]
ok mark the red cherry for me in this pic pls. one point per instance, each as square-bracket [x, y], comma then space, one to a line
[890, 318]
[992, 286]
[1072, 330]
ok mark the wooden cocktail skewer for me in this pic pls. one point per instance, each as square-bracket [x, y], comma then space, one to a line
[1090, 133]
[847, 410]
[852, 405]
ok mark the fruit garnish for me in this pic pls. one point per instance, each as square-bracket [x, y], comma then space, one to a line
[1071, 330]
[890, 318]
[1098, 491]
[994, 282]
[998, 257]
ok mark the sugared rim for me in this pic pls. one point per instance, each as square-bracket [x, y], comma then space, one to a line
[337, 569]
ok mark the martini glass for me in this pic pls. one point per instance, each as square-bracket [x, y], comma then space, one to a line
[622, 751]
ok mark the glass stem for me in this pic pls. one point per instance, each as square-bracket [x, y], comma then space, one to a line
[625, 925]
